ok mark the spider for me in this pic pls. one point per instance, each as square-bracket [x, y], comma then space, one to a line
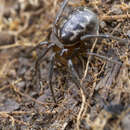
[68, 38]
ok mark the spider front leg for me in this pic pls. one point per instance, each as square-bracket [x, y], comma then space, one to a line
[40, 44]
[87, 36]
[55, 24]
[75, 76]
[38, 61]
[51, 70]
[104, 57]
[124, 41]
[60, 11]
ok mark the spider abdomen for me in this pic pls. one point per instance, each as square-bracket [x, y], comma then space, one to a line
[80, 22]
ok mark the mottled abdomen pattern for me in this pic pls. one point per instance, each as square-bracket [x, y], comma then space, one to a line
[80, 22]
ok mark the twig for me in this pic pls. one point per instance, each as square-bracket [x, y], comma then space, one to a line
[27, 96]
[114, 17]
[82, 92]
[6, 115]
[81, 109]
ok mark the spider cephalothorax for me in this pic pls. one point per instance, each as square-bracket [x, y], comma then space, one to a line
[67, 40]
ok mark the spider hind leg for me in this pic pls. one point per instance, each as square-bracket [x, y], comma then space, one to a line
[51, 70]
[37, 64]
[75, 76]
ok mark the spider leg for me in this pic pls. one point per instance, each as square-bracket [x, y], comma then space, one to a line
[60, 11]
[104, 57]
[40, 44]
[51, 70]
[38, 61]
[104, 36]
[58, 16]
[75, 76]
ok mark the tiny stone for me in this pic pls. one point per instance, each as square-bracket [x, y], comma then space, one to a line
[126, 122]
[128, 33]
[102, 24]
[116, 10]
[9, 105]
[6, 38]
[21, 84]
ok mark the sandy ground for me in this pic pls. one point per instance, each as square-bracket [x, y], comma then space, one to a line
[104, 101]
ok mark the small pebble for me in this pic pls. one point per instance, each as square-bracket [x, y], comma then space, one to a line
[126, 122]
[6, 38]
[115, 10]
[128, 33]
[102, 24]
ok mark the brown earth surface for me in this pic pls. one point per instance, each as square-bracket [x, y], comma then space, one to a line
[104, 104]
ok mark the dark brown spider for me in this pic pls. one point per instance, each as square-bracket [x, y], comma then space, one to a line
[68, 40]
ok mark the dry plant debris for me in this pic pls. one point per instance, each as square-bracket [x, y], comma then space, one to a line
[106, 102]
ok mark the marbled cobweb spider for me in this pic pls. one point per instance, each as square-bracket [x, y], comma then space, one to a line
[68, 39]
